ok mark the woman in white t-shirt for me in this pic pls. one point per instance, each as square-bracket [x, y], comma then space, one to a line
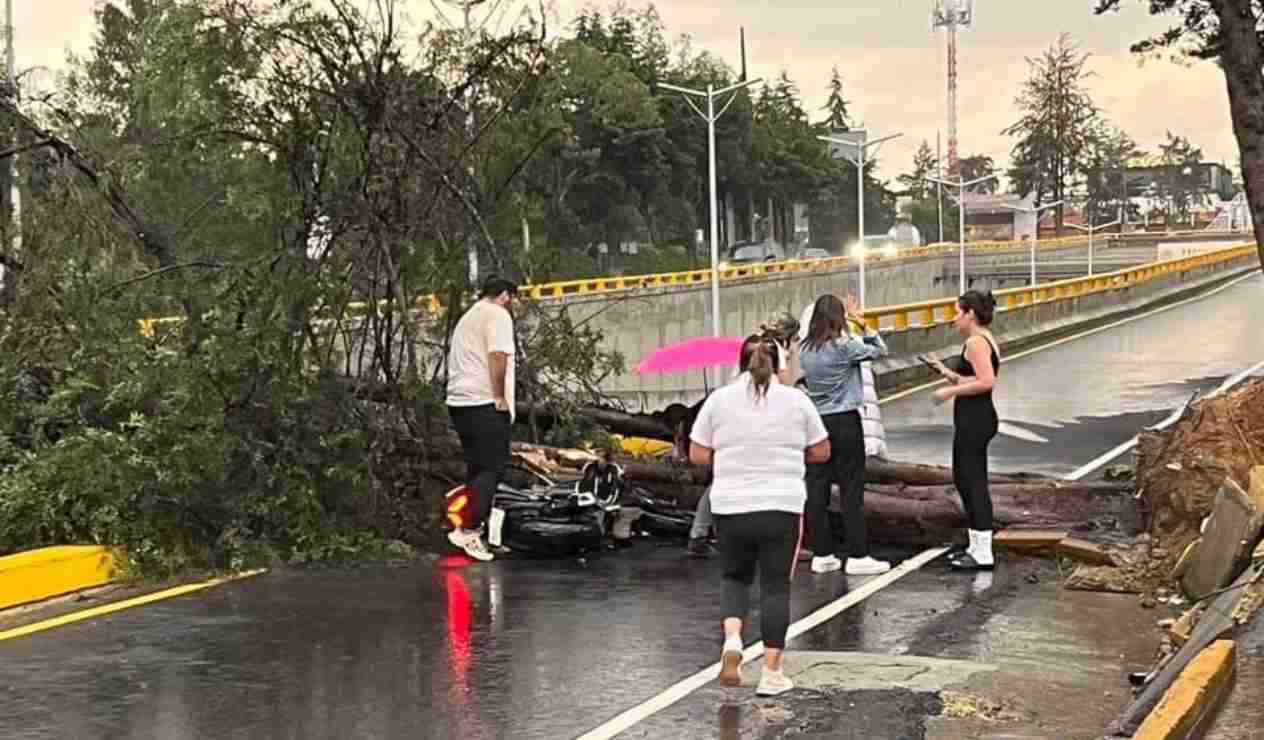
[757, 435]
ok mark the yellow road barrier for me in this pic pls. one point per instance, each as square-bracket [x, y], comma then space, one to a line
[52, 571]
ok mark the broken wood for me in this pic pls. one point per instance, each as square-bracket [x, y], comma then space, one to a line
[1028, 540]
[1085, 551]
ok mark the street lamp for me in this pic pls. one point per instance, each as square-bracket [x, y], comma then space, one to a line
[961, 186]
[1034, 212]
[857, 140]
[1091, 229]
[711, 117]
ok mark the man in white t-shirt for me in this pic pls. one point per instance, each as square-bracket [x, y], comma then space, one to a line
[481, 402]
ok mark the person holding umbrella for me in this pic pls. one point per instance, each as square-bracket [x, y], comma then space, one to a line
[757, 435]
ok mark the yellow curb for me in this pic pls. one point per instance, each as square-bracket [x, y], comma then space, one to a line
[99, 611]
[53, 571]
[1194, 696]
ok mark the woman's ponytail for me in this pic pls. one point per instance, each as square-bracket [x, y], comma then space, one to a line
[761, 368]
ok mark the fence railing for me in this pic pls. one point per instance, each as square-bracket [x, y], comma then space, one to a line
[927, 313]
[606, 285]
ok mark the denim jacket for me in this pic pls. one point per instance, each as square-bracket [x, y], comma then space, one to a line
[832, 372]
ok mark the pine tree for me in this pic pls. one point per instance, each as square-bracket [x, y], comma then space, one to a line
[925, 164]
[836, 105]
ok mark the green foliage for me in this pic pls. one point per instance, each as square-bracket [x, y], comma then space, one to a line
[222, 460]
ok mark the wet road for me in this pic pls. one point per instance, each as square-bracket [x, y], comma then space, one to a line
[550, 649]
[1091, 394]
[523, 649]
[518, 649]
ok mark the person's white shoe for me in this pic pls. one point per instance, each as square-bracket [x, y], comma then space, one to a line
[827, 564]
[731, 662]
[772, 683]
[471, 543]
[866, 567]
[806, 555]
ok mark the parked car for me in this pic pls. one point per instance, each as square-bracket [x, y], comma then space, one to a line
[814, 254]
[748, 253]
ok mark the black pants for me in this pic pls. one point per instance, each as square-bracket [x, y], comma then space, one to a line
[846, 468]
[484, 434]
[970, 467]
[769, 539]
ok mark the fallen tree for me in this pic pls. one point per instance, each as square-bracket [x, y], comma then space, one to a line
[904, 503]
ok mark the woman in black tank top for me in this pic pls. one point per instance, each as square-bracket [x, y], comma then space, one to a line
[974, 423]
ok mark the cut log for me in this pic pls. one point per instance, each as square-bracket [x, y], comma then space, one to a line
[913, 504]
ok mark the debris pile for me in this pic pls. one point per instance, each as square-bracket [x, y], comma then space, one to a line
[1194, 481]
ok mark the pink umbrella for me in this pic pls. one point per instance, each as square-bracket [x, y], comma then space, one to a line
[692, 354]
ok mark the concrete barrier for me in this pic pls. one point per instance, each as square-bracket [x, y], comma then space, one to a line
[1191, 702]
[1040, 321]
[52, 571]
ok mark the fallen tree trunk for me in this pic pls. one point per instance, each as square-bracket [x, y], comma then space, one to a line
[904, 503]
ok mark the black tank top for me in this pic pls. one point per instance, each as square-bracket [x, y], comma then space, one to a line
[966, 408]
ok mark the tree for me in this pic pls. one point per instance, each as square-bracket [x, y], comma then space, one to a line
[925, 165]
[1106, 193]
[1228, 32]
[1058, 120]
[1178, 186]
[979, 165]
[838, 118]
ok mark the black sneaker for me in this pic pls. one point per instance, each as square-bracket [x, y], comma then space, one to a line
[698, 548]
[966, 562]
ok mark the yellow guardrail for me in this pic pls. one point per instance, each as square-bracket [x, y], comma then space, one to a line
[595, 286]
[927, 313]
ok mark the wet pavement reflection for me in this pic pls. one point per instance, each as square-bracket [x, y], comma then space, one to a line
[517, 648]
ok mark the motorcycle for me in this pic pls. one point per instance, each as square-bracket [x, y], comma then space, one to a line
[531, 513]
[534, 514]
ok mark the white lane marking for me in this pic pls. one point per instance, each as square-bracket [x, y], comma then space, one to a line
[1096, 464]
[1088, 333]
[680, 690]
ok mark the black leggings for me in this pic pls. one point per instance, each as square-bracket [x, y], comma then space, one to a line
[970, 470]
[770, 540]
[846, 467]
[485, 436]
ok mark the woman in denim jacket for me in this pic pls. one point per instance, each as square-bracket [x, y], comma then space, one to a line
[831, 358]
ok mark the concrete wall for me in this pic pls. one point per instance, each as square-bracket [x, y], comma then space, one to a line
[639, 326]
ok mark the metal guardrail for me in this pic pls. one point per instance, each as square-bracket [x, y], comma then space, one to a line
[596, 286]
[928, 313]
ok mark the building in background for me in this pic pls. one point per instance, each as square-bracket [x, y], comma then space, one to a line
[988, 217]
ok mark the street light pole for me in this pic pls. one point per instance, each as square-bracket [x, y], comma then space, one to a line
[1091, 229]
[1034, 212]
[711, 117]
[961, 221]
[861, 149]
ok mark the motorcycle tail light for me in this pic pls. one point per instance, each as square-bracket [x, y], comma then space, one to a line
[458, 507]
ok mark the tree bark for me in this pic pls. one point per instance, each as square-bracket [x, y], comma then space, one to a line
[1242, 61]
[905, 503]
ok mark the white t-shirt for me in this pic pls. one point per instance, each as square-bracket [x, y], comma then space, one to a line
[485, 328]
[758, 446]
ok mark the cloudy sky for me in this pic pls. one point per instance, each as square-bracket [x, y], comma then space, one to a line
[891, 61]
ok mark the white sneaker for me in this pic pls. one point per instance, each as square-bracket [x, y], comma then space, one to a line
[772, 683]
[731, 662]
[827, 564]
[471, 543]
[866, 567]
